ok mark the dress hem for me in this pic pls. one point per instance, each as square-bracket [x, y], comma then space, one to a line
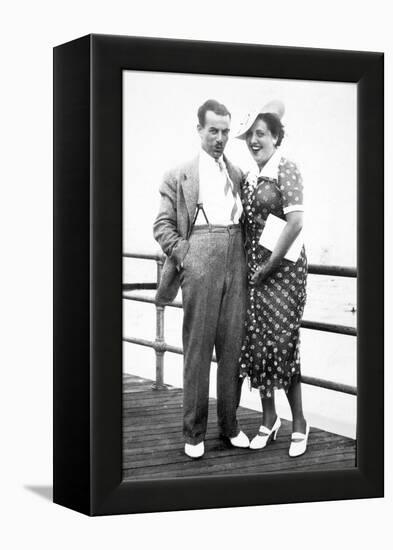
[294, 378]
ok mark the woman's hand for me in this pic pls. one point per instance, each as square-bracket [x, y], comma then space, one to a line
[263, 272]
[288, 235]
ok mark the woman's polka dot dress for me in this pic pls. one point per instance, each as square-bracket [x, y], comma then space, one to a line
[270, 350]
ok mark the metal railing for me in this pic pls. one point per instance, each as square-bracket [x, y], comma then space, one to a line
[160, 346]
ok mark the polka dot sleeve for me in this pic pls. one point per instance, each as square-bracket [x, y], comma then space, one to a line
[291, 186]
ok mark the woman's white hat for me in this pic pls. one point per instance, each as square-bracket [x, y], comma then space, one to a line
[276, 107]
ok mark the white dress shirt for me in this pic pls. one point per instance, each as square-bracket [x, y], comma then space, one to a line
[217, 205]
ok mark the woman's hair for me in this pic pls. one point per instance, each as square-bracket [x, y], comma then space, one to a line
[274, 124]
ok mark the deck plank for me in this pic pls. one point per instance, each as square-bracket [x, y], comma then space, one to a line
[153, 442]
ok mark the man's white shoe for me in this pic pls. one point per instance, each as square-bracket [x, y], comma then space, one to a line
[240, 440]
[299, 442]
[194, 451]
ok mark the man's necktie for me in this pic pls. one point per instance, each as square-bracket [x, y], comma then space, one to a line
[229, 186]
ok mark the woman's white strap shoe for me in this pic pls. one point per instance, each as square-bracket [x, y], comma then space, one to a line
[265, 435]
[299, 442]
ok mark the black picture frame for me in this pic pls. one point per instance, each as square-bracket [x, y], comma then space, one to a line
[88, 273]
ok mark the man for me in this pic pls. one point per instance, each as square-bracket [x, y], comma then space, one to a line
[198, 229]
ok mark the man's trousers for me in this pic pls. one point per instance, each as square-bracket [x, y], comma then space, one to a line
[213, 282]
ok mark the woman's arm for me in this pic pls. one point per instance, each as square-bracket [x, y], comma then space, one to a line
[288, 235]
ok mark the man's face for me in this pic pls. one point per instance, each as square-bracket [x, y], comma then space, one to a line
[214, 134]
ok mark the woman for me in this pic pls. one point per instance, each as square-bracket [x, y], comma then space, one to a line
[276, 285]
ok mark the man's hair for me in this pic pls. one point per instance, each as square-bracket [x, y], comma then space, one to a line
[211, 105]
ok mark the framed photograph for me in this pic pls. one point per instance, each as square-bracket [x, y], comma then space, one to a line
[218, 275]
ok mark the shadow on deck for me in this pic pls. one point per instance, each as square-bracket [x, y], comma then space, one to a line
[153, 442]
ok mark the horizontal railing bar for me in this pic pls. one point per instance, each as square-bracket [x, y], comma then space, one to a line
[144, 256]
[309, 380]
[332, 270]
[149, 344]
[139, 286]
[161, 346]
[329, 327]
[150, 300]
[314, 269]
[312, 325]
[329, 385]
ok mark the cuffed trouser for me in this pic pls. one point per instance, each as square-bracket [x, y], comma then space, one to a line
[213, 282]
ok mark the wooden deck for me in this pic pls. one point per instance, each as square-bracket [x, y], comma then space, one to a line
[153, 443]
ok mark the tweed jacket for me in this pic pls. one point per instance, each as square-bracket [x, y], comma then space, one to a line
[179, 198]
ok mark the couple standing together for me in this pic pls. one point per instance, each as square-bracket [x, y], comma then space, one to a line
[238, 297]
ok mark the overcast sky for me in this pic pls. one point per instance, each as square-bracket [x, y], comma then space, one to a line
[320, 123]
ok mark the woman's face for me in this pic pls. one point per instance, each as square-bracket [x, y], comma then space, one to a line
[260, 142]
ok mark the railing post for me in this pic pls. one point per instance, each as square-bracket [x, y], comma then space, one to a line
[159, 342]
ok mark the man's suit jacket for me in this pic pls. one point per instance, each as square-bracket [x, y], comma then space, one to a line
[179, 198]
